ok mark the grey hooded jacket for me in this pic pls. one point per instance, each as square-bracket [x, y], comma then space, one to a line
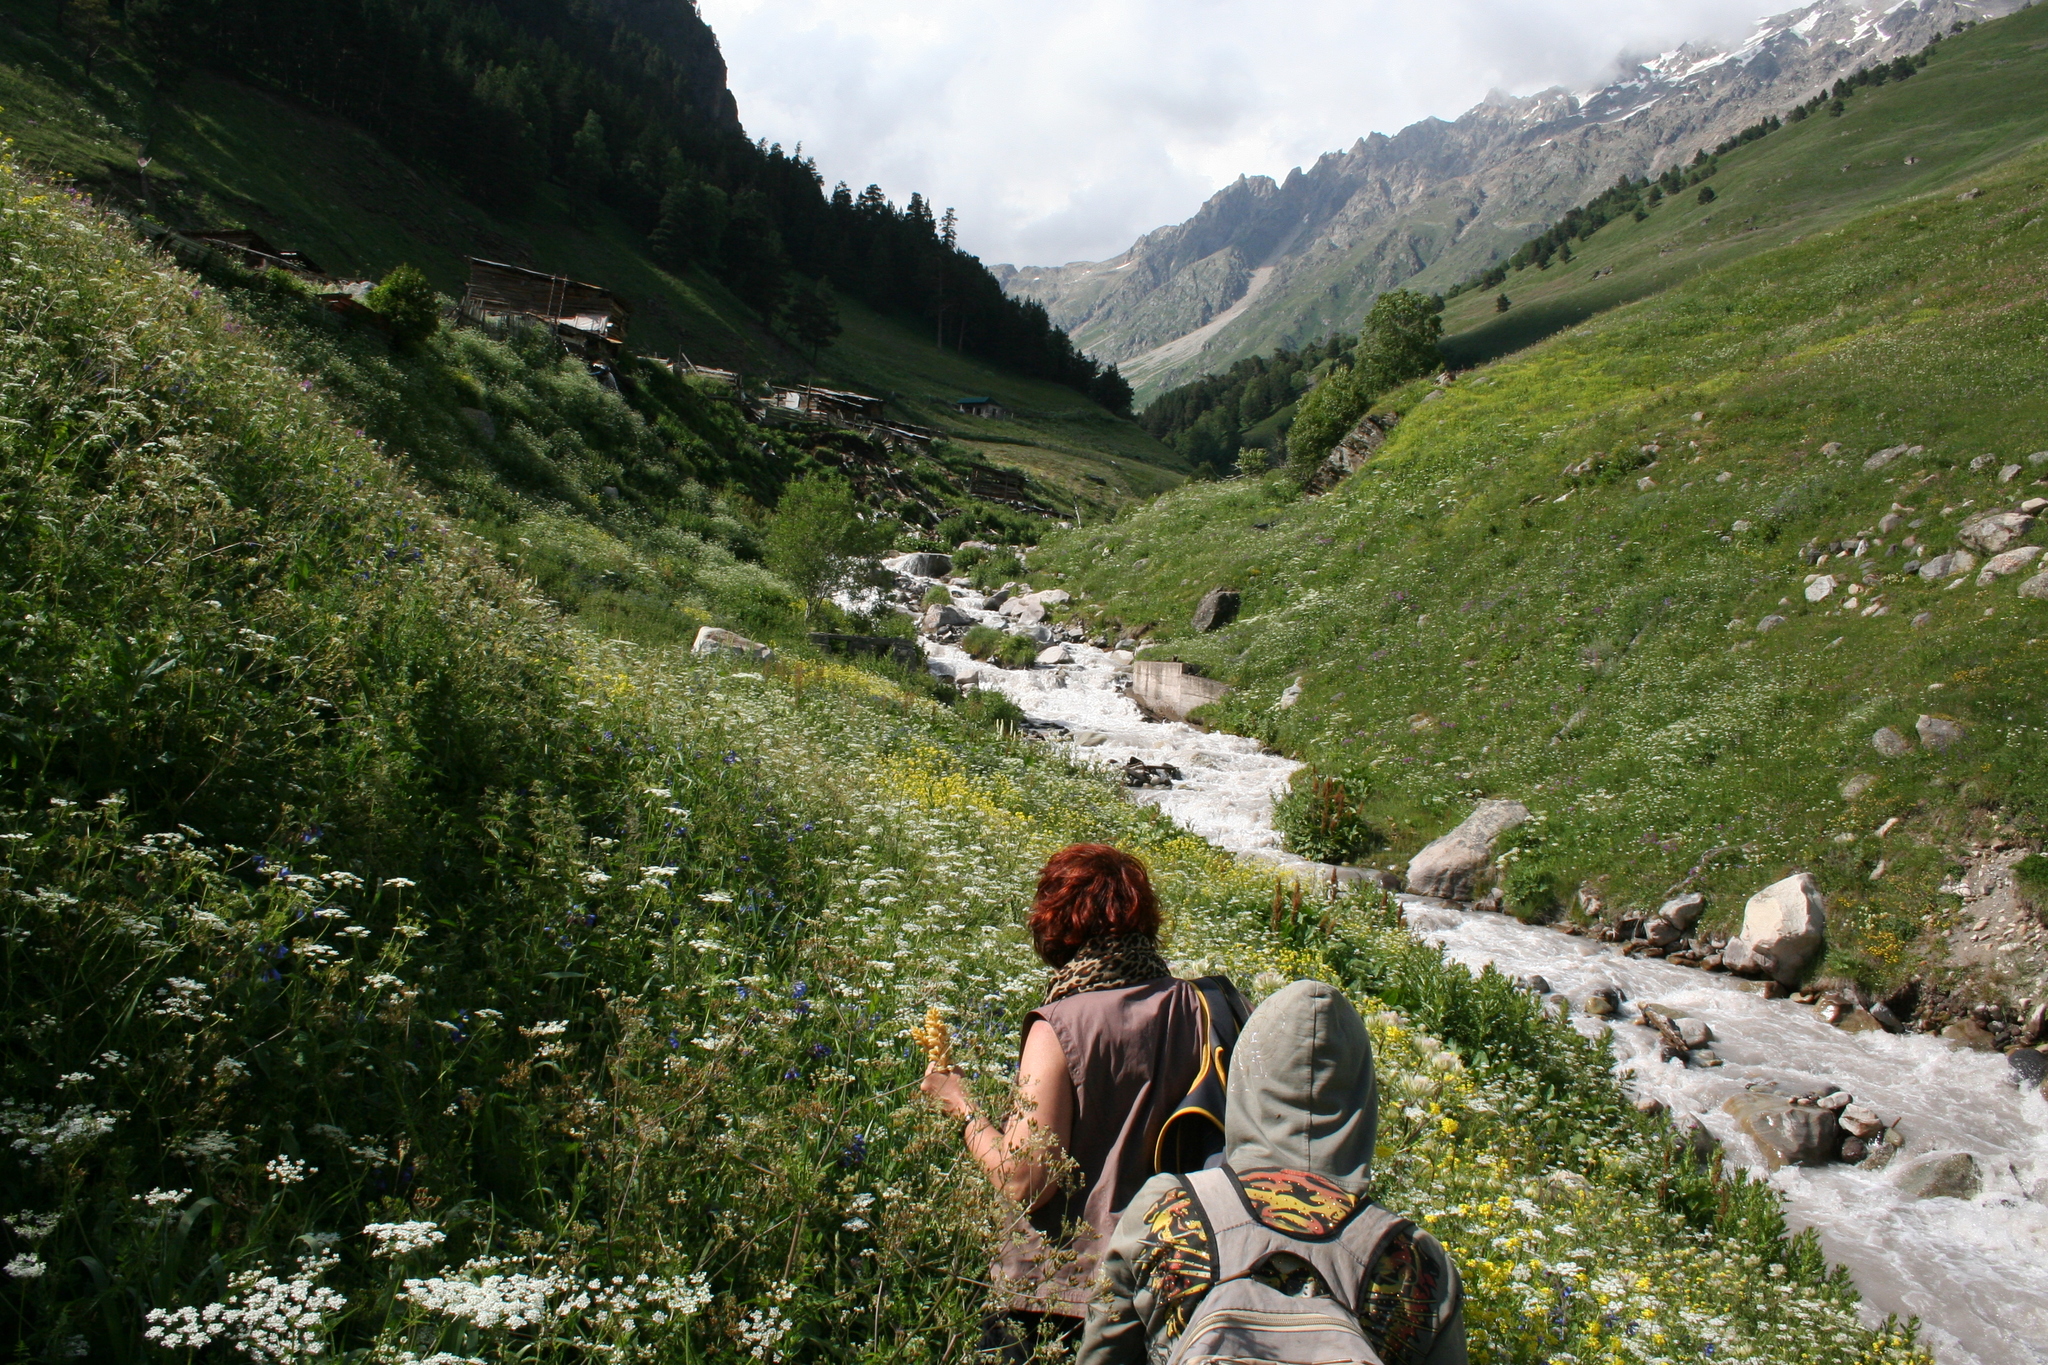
[1302, 1097]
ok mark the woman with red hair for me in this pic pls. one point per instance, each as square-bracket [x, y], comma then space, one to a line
[1107, 1058]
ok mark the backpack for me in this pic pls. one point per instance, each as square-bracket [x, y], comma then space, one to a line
[1192, 1136]
[1243, 1321]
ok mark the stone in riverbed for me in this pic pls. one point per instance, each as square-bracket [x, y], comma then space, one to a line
[1891, 743]
[2029, 1068]
[1056, 655]
[1971, 1034]
[942, 615]
[1860, 1120]
[1695, 1032]
[1783, 927]
[1694, 1135]
[1661, 932]
[1683, 911]
[1853, 1149]
[1943, 1175]
[1446, 868]
[1217, 610]
[1787, 1134]
[1601, 1001]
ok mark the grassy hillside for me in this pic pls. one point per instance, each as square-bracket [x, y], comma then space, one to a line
[1975, 104]
[393, 967]
[1552, 581]
[224, 154]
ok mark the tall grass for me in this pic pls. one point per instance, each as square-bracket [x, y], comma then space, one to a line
[396, 971]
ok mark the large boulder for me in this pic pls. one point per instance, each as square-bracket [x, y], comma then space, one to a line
[1787, 1134]
[1941, 1175]
[712, 640]
[1891, 743]
[1446, 869]
[943, 615]
[1993, 531]
[1217, 610]
[1783, 927]
[1027, 610]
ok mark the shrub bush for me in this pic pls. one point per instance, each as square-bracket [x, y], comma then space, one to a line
[1318, 819]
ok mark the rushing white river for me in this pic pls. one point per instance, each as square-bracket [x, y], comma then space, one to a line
[1974, 1271]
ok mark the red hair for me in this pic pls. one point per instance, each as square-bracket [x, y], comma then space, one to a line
[1090, 891]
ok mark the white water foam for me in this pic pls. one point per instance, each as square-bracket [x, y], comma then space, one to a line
[1975, 1272]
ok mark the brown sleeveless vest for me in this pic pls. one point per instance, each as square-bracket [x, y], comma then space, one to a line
[1132, 1053]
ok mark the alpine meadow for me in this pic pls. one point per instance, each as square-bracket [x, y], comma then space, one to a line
[491, 790]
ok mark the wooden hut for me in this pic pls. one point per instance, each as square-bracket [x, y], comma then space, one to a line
[586, 318]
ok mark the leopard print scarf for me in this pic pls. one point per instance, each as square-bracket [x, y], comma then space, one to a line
[1106, 963]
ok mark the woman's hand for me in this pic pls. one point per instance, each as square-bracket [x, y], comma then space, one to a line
[944, 1086]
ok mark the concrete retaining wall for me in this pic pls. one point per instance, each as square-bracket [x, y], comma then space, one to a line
[1169, 691]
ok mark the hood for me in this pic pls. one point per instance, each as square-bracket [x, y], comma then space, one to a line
[1302, 1094]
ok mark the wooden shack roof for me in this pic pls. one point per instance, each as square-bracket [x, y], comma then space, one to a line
[496, 285]
[247, 244]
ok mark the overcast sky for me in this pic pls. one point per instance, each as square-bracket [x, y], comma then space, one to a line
[1064, 129]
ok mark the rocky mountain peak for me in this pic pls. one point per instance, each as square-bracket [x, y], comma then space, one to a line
[1263, 264]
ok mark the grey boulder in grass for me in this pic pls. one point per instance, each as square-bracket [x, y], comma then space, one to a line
[1938, 733]
[1216, 610]
[1891, 743]
[1447, 868]
[1994, 531]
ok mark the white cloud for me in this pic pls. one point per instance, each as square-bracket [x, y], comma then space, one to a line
[1063, 129]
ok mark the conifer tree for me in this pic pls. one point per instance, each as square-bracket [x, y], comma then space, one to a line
[590, 162]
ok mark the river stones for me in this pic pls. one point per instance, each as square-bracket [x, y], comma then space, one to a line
[1602, 1001]
[1941, 1175]
[1683, 911]
[1860, 1121]
[926, 564]
[1787, 1134]
[941, 616]
[1446, 869]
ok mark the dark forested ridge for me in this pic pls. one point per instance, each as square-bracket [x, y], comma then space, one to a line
[1209, 419]
[623, 100]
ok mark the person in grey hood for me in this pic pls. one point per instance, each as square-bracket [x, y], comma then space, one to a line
[1302, 1117]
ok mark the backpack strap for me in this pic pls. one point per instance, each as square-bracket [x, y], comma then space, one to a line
[1193, 1133]
[1242, 1244]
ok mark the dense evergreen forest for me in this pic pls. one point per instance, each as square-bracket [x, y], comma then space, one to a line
[1209, 419]
[626, 103]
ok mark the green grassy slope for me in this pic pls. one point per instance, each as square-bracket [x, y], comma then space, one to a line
[1548, 585]
[379, 946]
[228, 155]
[1976, 103]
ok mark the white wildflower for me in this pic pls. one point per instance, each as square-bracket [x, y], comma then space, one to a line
[403, 1239]
[27, 1266]
[286, 1171]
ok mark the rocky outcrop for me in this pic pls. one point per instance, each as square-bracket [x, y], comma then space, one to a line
[1783, 928]
[1352, 453]
[1448, 868]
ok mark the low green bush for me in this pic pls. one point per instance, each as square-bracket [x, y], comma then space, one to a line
[1318, 819]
